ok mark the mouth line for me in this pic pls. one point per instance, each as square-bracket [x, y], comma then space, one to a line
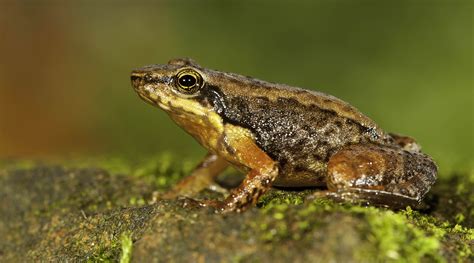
[156, 102]
[145, 98]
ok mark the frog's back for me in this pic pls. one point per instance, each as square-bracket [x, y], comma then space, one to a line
[251, 87]
[300, 129]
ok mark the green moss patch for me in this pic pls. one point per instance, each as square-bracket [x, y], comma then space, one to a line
[113, 213]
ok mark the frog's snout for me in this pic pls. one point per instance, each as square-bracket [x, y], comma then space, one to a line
[136, 79]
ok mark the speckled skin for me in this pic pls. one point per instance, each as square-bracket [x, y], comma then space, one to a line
[286, 136]
[300, 137]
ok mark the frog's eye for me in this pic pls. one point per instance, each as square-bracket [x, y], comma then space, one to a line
[188, 81]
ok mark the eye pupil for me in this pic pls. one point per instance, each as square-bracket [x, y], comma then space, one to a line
[187, 80]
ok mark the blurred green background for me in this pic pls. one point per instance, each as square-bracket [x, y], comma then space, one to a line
[65, 65]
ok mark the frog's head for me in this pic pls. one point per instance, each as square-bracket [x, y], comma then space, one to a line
[183, 89]
[190, 95]
[174, 87]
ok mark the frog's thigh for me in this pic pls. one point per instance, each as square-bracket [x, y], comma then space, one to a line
[380, 175]
[263, 170]
[202, 177]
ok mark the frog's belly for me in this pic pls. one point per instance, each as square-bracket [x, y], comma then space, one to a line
[292, 178]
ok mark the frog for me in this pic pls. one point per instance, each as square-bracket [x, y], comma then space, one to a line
[282, 136]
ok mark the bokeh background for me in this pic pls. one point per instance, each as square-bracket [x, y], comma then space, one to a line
[65, 65]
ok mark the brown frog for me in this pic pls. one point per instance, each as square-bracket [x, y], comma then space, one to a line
[283, 136]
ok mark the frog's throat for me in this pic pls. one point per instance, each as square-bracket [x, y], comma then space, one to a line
[203, 123]
[191, 110]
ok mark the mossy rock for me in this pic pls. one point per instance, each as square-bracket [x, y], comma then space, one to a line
[59, 213]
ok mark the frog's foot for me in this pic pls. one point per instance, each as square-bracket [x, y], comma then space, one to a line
[256, 183]
[202, 177]
[367, 197]
[380, 175]
[191, 203]
[178, 191]
[187, 202]
[407, 143]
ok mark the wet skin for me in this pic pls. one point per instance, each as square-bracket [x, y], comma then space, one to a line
[283, 136]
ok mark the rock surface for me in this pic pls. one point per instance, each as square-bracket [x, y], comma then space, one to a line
[66, 214]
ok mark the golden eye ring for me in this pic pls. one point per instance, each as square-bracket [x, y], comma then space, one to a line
[188, 81]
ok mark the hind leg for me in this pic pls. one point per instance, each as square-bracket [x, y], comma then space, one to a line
[380, 175]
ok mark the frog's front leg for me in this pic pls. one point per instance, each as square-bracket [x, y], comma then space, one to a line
[380, 175]
[262, 170]
[202, 177]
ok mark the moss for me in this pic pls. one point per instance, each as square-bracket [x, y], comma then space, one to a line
[109, 252]
[162, 170]
[6, 164]
[275, 197]
[64, 214]
[404, 235]
[126, 242]
[395, 238]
